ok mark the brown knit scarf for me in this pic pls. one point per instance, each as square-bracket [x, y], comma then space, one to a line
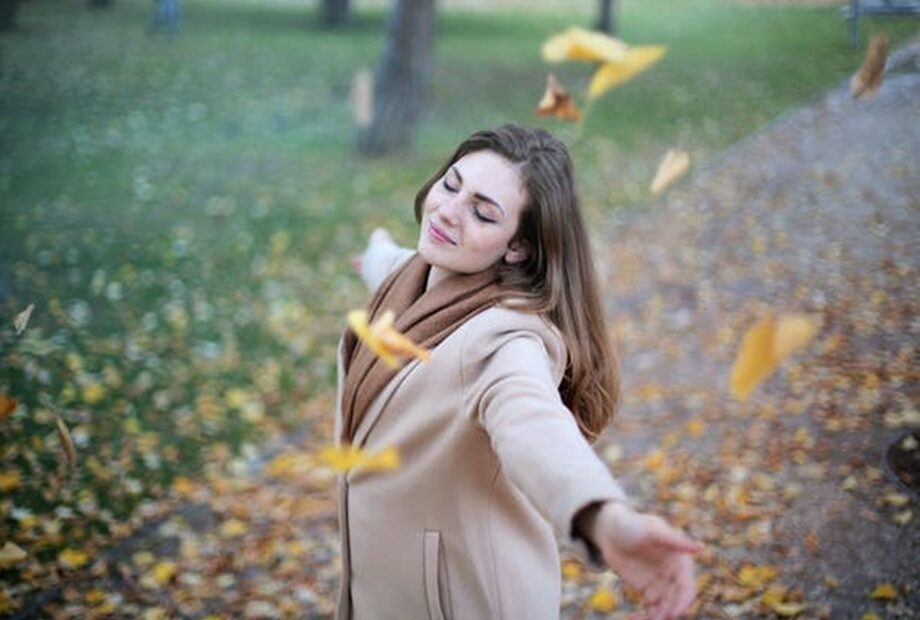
[426, 317]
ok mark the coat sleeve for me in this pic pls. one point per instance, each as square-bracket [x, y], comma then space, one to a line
[511, 387]
[380, 258]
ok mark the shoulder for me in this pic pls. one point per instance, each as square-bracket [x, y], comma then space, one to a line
[507, 328]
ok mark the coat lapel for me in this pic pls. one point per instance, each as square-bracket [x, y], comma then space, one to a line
[380, 403]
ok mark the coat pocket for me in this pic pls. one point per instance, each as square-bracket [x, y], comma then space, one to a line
[435, 570]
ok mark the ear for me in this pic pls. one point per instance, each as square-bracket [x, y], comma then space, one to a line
[516, 253]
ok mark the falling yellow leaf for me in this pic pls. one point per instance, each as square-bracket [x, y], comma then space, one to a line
[581, 44]
[11, 555]
[66, 442]
[614, 73]
[558, 102]
[7, 406]
[765, 346]
[673, 166]
[383, 339]
[22, 319]
[885, 592]
[603, 600]
[72, 558]
[345, 458]
[868, 79]
[9, 481]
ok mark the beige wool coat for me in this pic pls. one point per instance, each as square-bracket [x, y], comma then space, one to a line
[493, 469]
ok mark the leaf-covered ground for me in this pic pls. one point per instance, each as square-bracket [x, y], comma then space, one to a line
[182, 212]
[790, 490]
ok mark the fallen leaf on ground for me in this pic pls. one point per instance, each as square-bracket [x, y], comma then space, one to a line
[885, 592]
[10, 555]
[7, 406]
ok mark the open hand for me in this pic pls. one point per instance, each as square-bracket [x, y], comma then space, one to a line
[649, 555]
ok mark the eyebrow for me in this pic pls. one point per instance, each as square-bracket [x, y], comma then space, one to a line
[477, 195]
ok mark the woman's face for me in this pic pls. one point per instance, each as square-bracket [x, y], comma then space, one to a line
[471, 214]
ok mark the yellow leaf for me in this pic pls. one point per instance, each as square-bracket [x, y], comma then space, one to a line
[163, 572]
[614, 73]
[756, 576]
[885, 592]
[383, 339]
[673, 166]
[345, 458]
[603, 600]
[233, 528]
[870, 616]
[72, 558]
[654, 460]
[896, 499]
[95, 597]
[9, 481]
[11, 555]
[571, 570]
[93, 393]
[7, 406]
[581, 44]
[236, 398]
[22, 319]
[70, 452]
[183, 487]
[868, 79]
[903, 518]
[793, 332]
[788, 610]
[695, 427]
[765, 345]
[558, 102]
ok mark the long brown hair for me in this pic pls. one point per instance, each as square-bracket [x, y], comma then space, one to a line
[557, 279]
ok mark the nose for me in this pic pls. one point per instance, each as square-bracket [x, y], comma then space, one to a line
[449, 211]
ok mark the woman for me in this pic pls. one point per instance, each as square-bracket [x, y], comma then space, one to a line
[493, 429]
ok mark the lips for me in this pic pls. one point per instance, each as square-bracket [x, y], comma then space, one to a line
[439, 235]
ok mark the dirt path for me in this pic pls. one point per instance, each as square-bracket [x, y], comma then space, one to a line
[820, 213]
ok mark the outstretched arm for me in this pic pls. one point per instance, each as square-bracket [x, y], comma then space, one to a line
[646, 553]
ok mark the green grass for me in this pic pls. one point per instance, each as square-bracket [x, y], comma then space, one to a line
[197, 201]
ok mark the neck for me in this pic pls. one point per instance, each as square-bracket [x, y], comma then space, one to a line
[435, 275]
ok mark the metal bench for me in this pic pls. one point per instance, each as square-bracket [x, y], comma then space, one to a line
[858, 8]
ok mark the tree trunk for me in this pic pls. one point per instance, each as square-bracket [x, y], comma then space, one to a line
[8, 14]
[401, 78]
[334, 13]
[606, 21]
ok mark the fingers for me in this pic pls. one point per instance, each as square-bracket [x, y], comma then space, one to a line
[673, 538]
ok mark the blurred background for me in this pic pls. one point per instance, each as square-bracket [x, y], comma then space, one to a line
[182, 188]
